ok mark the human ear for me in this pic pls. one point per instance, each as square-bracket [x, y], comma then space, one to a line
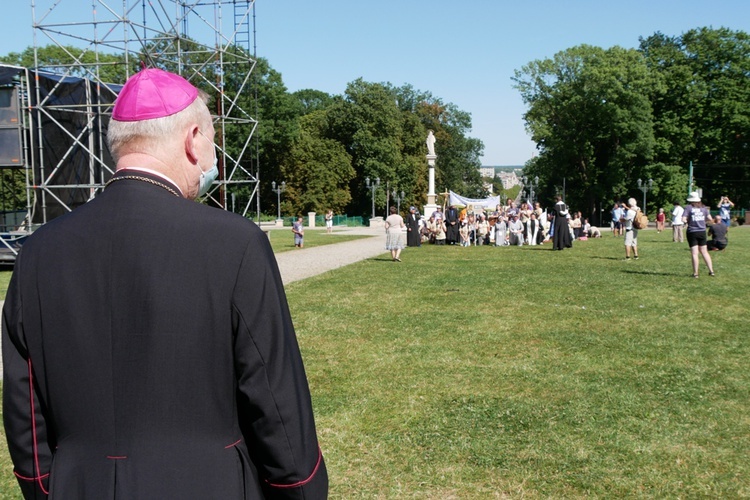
[191, 145]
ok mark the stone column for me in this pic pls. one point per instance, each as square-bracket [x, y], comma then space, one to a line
[431, 195]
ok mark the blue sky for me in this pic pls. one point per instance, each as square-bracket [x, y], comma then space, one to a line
[462, 52]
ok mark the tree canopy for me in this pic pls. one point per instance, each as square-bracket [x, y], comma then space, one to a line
[604, 118]
[601, 119]
[700, 105]
[590, 115]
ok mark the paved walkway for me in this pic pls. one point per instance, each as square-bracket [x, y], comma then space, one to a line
[299, 264]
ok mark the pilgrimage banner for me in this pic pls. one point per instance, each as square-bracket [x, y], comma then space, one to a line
[489, 204]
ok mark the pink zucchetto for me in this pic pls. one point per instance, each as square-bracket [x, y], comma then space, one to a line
[153, 93]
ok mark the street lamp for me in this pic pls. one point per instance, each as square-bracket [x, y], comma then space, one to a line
[398, 199]
[278, 191]
[532, 184]
[645, 186]
[372, 187]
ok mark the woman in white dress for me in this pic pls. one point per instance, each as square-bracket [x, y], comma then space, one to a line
[394, 235]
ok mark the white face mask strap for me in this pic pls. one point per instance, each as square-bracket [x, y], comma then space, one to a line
[216, 159]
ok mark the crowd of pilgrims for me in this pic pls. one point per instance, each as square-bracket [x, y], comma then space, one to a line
[506, 226]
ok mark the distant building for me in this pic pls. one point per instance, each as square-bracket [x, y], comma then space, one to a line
[487, 172]
[509, 179]
[509, 175]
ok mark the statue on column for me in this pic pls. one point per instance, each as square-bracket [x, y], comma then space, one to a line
[430, 143]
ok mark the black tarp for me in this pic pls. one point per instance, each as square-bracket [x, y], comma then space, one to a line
[62, 107]
[9, 74]
[11, 152]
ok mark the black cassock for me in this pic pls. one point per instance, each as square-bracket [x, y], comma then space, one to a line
[413, 238]
[157, 339]
[451, 226]
[561, 239]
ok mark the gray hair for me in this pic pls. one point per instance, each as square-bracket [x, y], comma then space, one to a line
[145, 135]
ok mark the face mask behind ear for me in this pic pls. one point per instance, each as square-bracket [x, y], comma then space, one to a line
[208, 177]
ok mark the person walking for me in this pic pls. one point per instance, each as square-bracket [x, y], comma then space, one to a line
[661, 218]
[617, 219]
[394, 235]
[695, 216]
[329, 221]
[298, 228]
[148, 347]
[631, 232]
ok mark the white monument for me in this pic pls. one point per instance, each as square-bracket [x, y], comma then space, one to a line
[431, 157]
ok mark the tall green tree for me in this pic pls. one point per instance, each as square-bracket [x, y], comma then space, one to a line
[700, 106]
[317, 170]
[590, 115]
[277, 112]
[367, 121]
[313, 100]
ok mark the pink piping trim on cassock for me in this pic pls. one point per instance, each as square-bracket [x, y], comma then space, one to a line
[304, 481]
[19, 476]
[233, 444]
[117, 458]
[33, 432]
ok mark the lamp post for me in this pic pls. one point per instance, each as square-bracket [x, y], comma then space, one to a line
[399, 197]
[645, 186]
[532, 184]
[278, 191]
[372, 187]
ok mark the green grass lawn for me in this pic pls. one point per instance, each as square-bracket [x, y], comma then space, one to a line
[282, 240]
[521, 372]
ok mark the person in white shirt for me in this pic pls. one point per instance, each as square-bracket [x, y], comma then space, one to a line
[631, 233]
[725, 207]
[677, 224]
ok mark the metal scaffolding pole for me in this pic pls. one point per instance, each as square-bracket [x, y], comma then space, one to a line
[208, 42]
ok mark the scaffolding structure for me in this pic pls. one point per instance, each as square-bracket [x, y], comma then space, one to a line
[211, 43]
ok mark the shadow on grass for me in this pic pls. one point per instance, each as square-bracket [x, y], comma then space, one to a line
[649, 273]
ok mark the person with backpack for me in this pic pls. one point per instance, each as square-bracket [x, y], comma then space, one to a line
[695, 216]
[631, 232]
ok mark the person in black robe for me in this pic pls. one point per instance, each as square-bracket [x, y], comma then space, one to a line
[148, 347]
[413, 236]
[451, 225]
[561, 238]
